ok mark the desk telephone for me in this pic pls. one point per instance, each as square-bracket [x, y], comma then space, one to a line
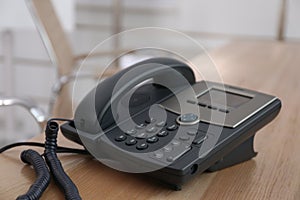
[153, 117]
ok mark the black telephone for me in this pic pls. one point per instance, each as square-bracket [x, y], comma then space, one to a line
[153, 117]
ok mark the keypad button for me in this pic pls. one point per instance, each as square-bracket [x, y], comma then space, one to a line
[131, 142]
[152, 139]
[201, 104]
[192, 132]
[151, 129]
[167, 148]
[158, 154]
[170, 159]
[223, 110]
[149, 121]
[161, 124]
[142, 146]
[212, 107]
[172, 127]
[162, 133]
[141, 135]
[191, 101]
[184, 138]
[200, 139]
[120, 138]
[140, 126]
[131, 132]
[175, 142]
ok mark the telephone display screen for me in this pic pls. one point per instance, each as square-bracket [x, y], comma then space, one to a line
[216, 96]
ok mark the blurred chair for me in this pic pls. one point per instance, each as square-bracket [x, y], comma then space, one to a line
[61, 54]
[36, 112]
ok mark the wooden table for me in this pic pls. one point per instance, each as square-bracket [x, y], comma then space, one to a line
[270, 67]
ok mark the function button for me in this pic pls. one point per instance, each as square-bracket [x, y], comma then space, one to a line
[189, 117]
[131, 132]
[142, 146]
[158, 154]
[192, 132]
[149, 121]
[175, 142]
[184, 138]
[201, 104]
[167, 148]
[120, 138]
[140, 126]
[170, 159]
[161, 124]
[152, 139]
[141, 135]
[212, 107]
[162, 133]
[223, 110]
[191, 101]
[131, 142]
[172, 127]
[200, 139]
[151, 129]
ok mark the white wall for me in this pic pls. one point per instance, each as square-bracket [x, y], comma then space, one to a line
[14, 14]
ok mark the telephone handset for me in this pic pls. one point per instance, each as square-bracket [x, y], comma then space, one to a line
[154, 116]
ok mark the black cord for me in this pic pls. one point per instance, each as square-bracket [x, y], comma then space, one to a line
[62, 179]
[43, 176]
[60, 149]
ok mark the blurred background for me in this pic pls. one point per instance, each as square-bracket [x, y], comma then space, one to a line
[27, 71]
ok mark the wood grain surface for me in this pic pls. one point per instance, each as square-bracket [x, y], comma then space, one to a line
[270, 67]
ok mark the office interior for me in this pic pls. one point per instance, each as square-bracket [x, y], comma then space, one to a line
[27, 71]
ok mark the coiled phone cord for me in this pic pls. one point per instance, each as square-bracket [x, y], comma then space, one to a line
[40, 166]
[43, 176]
[61, 178]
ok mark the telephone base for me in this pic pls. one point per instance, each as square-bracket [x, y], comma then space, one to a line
[241, 153]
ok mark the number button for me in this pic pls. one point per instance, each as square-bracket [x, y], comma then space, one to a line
[120, 138]
[140, 126]
[149, 121]
[152, 139]
[131, 142]
[162, 133]
[161, 124]
[142, 146]
[172, 127]
[151, 129]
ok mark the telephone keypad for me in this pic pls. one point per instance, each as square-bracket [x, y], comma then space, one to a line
[163, 142]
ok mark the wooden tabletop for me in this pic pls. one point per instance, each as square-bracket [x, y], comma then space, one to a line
[274, 173]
